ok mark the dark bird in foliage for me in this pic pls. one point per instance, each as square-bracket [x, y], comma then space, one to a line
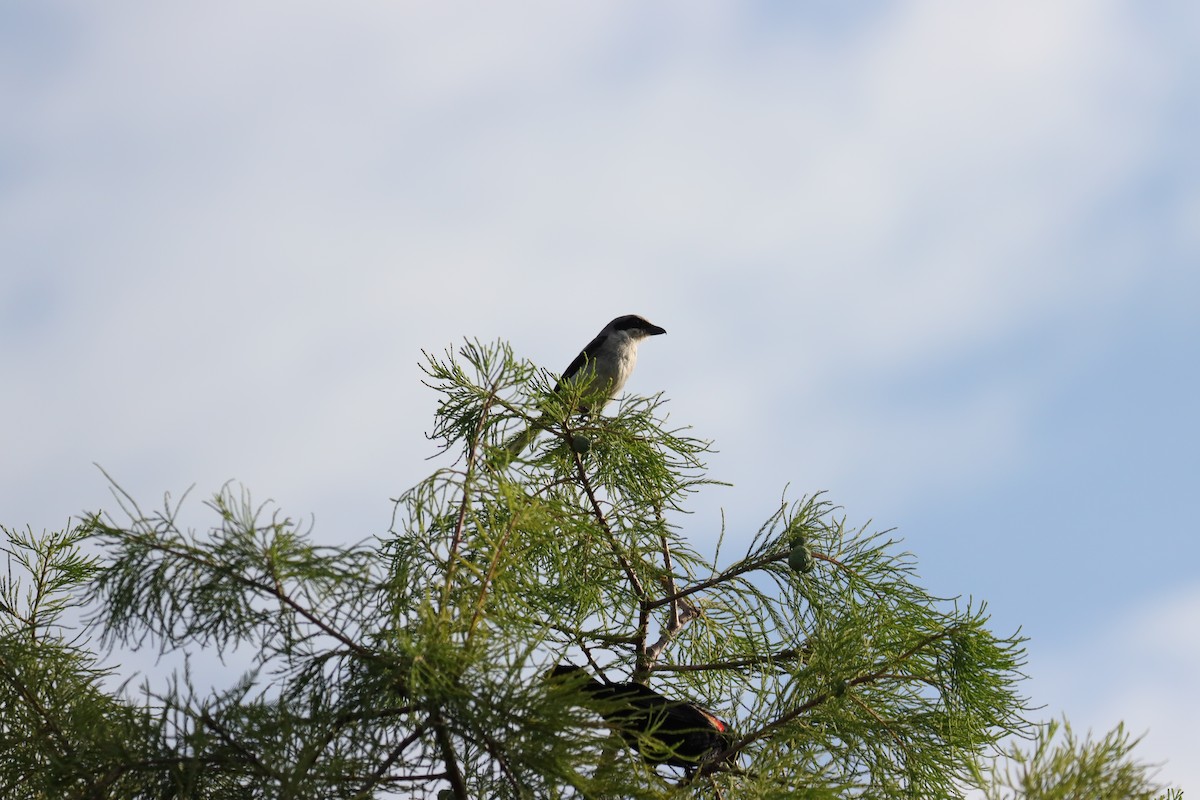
[601, 369]
[662, 730]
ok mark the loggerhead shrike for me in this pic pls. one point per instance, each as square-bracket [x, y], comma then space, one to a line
[601, 369]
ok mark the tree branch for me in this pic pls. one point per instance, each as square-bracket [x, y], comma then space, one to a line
[449, 758]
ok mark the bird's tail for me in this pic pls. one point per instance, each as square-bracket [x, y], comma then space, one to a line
[516, 445]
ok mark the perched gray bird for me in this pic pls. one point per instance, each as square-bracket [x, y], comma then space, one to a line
[601, 370]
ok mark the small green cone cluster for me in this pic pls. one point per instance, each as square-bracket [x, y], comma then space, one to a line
[800, 558]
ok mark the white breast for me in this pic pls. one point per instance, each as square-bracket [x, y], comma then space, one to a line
[613, 364]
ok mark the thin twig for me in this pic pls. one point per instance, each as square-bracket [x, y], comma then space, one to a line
[816, 700]
[790, 654]
[468, 476]
[634, 582]
[376, 777]
[676, 620]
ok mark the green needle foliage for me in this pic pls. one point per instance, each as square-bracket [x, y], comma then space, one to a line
[415, 664]
[1058, 765]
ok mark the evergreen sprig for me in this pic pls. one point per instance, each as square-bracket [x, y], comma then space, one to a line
[415, 664]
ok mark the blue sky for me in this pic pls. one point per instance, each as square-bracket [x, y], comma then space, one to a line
[939, 259]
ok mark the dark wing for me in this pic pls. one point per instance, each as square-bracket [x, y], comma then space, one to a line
[588, 354]
[689, 716]
[685, 732]
[691, 734]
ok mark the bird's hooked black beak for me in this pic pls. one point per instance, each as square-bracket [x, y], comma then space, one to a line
[654, 330]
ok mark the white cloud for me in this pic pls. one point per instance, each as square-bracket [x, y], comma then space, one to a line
[252, 216]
